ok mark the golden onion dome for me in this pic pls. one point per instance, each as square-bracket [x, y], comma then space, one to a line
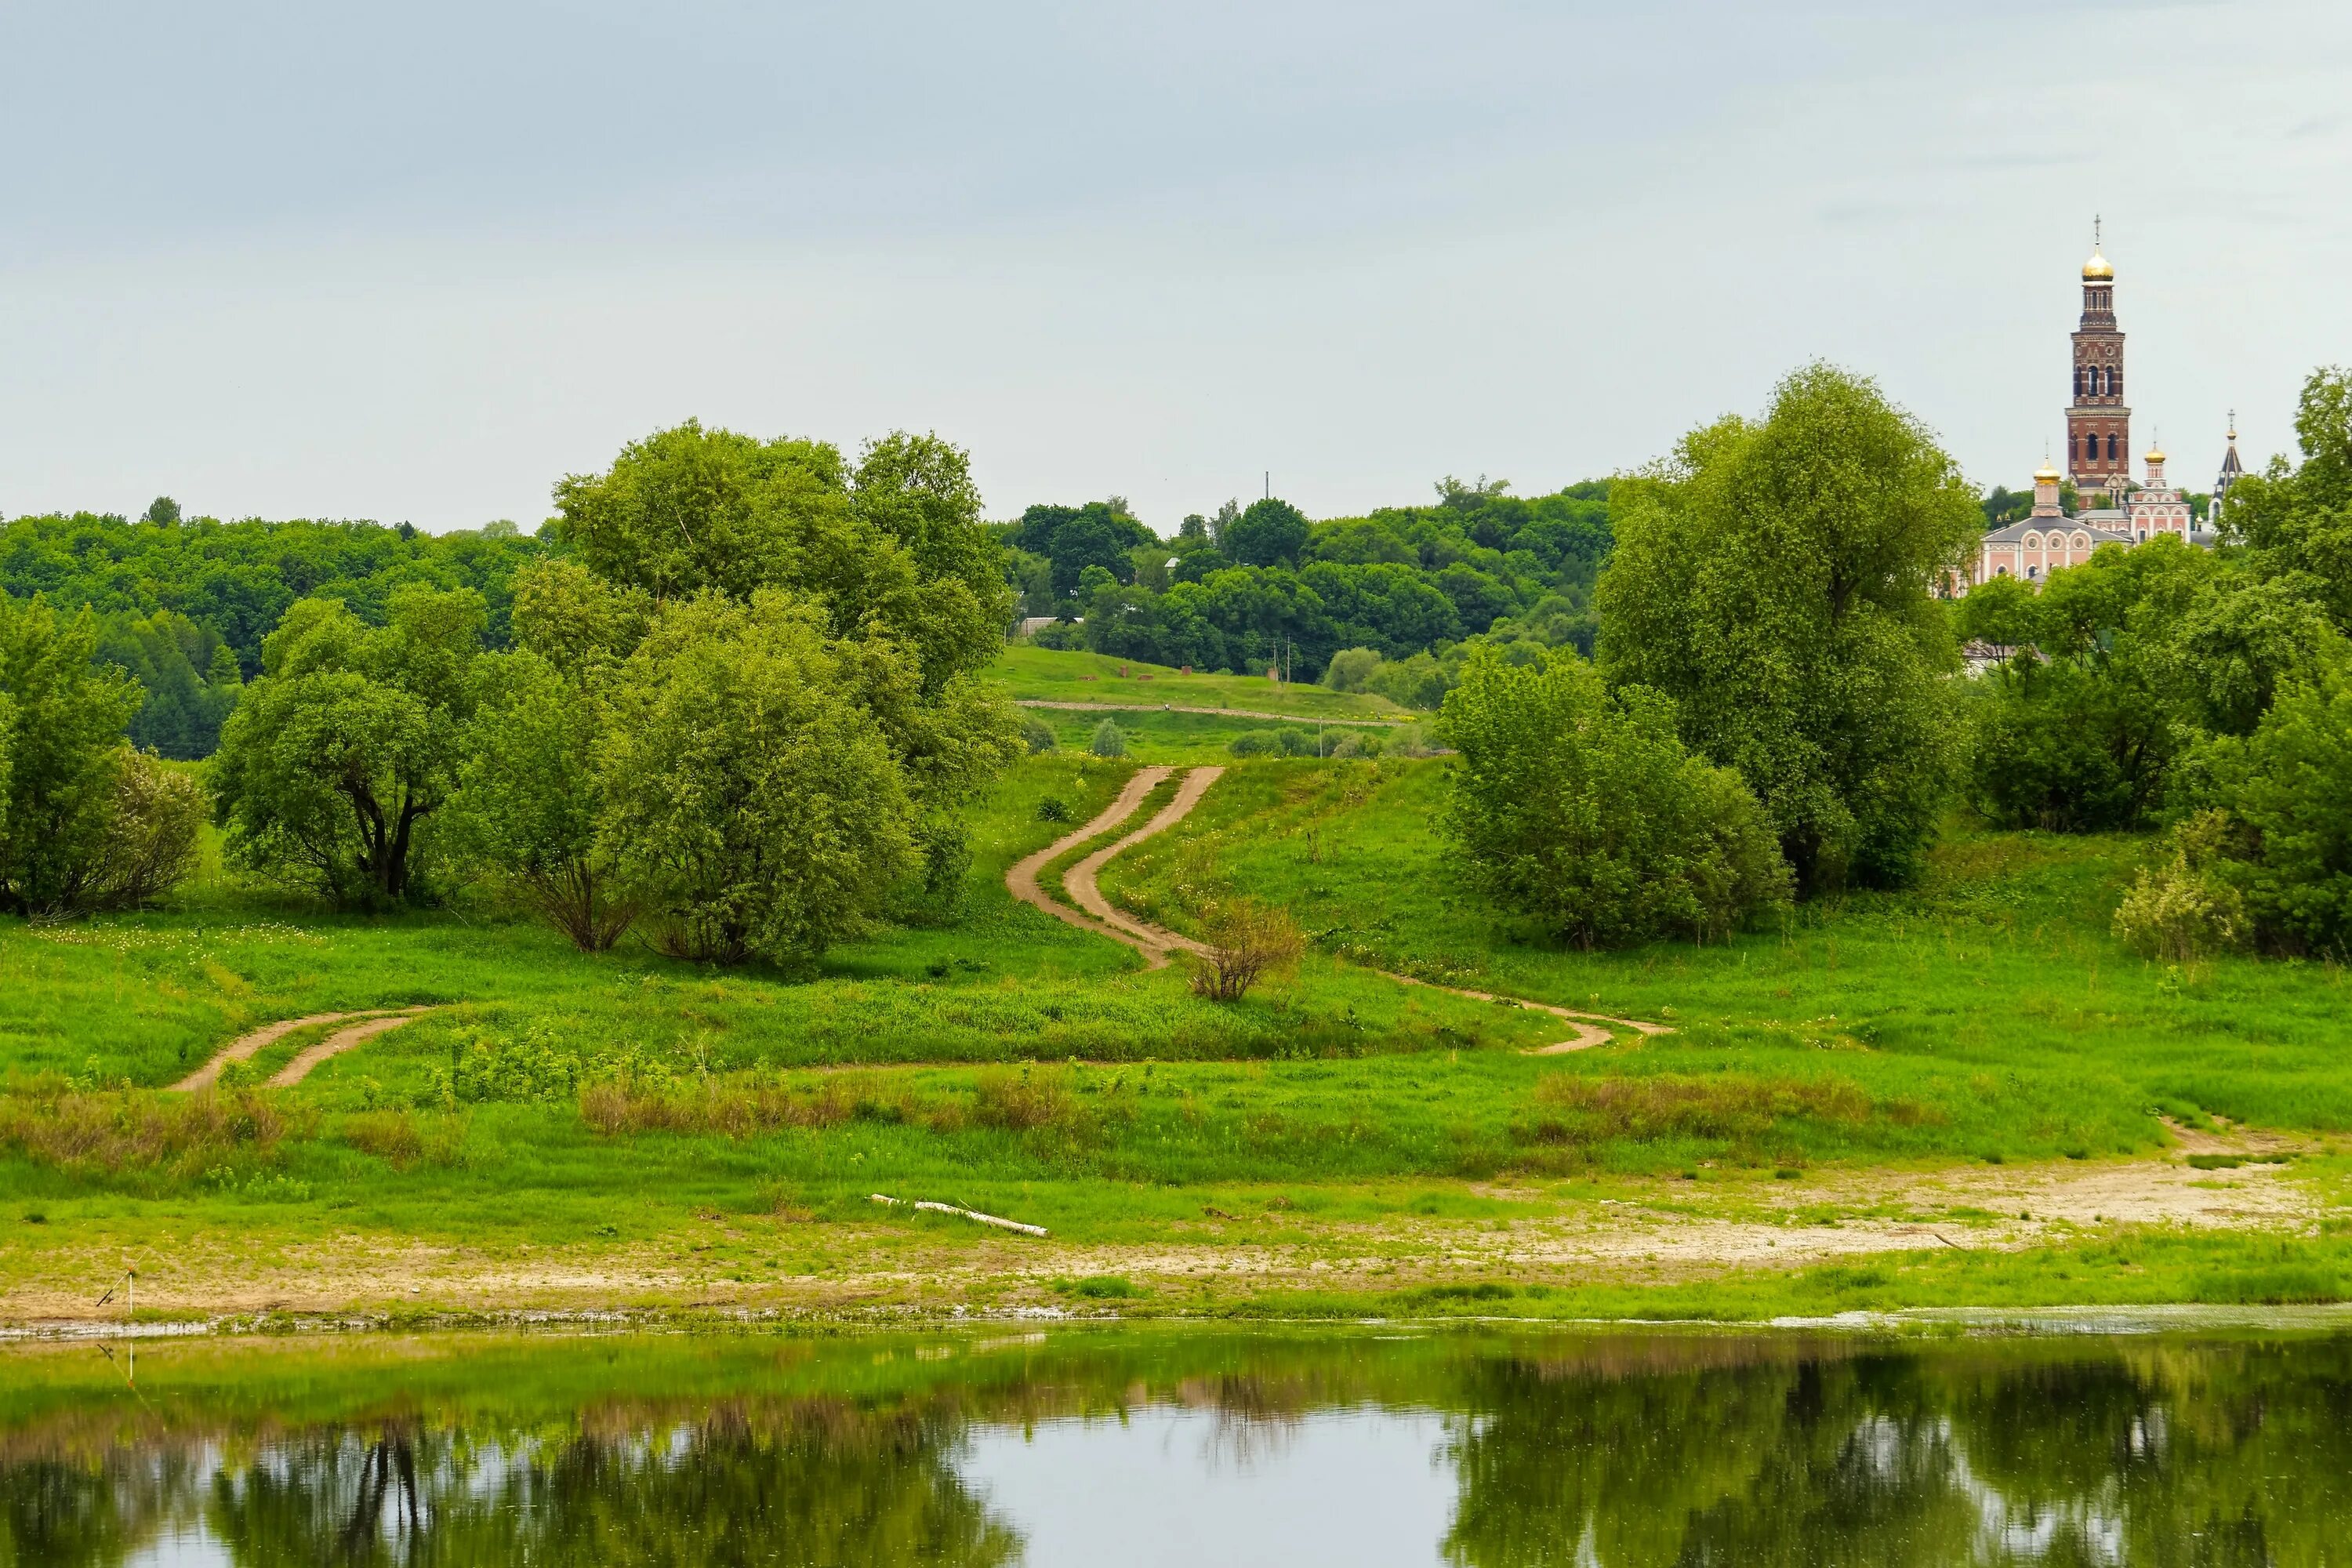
[2098, 270]
[2045, 474]
[2155, 454]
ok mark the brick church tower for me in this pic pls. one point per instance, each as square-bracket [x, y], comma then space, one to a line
[2098, 425]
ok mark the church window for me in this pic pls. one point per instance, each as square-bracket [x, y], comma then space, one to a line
[2114, 446]
[2078, 381]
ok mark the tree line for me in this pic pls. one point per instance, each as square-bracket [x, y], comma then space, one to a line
[1252, 587]
[183, 604]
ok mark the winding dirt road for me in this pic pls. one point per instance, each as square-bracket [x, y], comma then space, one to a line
[1155, 942]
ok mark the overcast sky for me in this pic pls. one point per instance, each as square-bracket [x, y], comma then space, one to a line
[418, 261]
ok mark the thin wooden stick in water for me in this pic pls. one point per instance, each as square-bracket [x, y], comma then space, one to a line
[967, 1214]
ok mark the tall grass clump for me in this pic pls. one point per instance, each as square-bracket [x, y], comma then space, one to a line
[115, 1131]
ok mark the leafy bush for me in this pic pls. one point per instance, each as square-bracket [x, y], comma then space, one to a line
[1052, 808]
[1255, 744]
[1246, 941]
[2183, 909]
[152, 833]
[1580, 807]
[1350, 667]
[2287, 791]
[1036, 734]
[1109, 740]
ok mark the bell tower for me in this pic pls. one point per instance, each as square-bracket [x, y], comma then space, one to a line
[2098, 422]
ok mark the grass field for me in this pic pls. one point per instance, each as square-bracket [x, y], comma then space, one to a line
[1058, 675]
[1993, 994]
[624, 1129]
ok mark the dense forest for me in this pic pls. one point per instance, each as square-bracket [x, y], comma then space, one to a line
[1250, 586]
[183, 605]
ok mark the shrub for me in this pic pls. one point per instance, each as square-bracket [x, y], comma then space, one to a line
[2182, 909]
[1246, 939]
[1109, 740]
[2287, 792]
[152, 835]
[1036, 734]
[1052, 808]
[1255, 743]
[1295, 742]
[1350, 667]
[1579, 808]
[1359, 744]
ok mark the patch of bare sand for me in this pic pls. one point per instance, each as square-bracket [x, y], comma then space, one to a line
[1639, 1231]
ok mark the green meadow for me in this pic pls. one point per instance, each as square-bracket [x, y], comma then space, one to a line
[626, 1107]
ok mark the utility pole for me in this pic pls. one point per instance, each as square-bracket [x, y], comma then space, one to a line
[1269, 484]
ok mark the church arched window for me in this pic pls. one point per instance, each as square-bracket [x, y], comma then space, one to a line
[2078, 381]
[2115, 447]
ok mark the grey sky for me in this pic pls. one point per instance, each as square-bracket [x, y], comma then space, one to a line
[418, 261]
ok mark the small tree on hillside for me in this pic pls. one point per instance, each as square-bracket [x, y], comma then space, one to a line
[1109, 740]
[1579, 808]
[1246, 941]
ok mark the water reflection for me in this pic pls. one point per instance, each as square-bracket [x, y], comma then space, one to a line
[1487, 1450]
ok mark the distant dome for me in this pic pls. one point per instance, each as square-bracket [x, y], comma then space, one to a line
[2045, 474]
[2155, 454]
[2098, 270]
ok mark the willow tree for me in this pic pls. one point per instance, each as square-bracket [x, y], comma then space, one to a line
[1773, 578]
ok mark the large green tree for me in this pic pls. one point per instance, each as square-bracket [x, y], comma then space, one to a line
[1772, 578]
[345, 747]
[1580, 806]
[752, 792]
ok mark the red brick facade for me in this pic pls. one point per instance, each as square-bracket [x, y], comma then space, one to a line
[2098, 422]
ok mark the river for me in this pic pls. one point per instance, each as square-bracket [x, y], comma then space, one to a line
[1365, 1445]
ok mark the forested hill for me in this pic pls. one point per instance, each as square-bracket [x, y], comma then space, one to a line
[1236, 590]
[184, 605]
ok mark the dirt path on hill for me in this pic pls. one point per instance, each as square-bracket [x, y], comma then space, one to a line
[339, 1041]
[364, 1026]
[1219, 712]
[1146, 939]
[1156, 942]
[1021, 881]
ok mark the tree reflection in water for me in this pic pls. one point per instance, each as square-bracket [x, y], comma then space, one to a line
[815, 1482]
[1623, 1451]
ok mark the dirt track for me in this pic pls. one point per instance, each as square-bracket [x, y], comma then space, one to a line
[1155, 942]
[360, 1027]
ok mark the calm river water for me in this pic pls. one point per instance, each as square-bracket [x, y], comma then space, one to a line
[1504, 1449]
